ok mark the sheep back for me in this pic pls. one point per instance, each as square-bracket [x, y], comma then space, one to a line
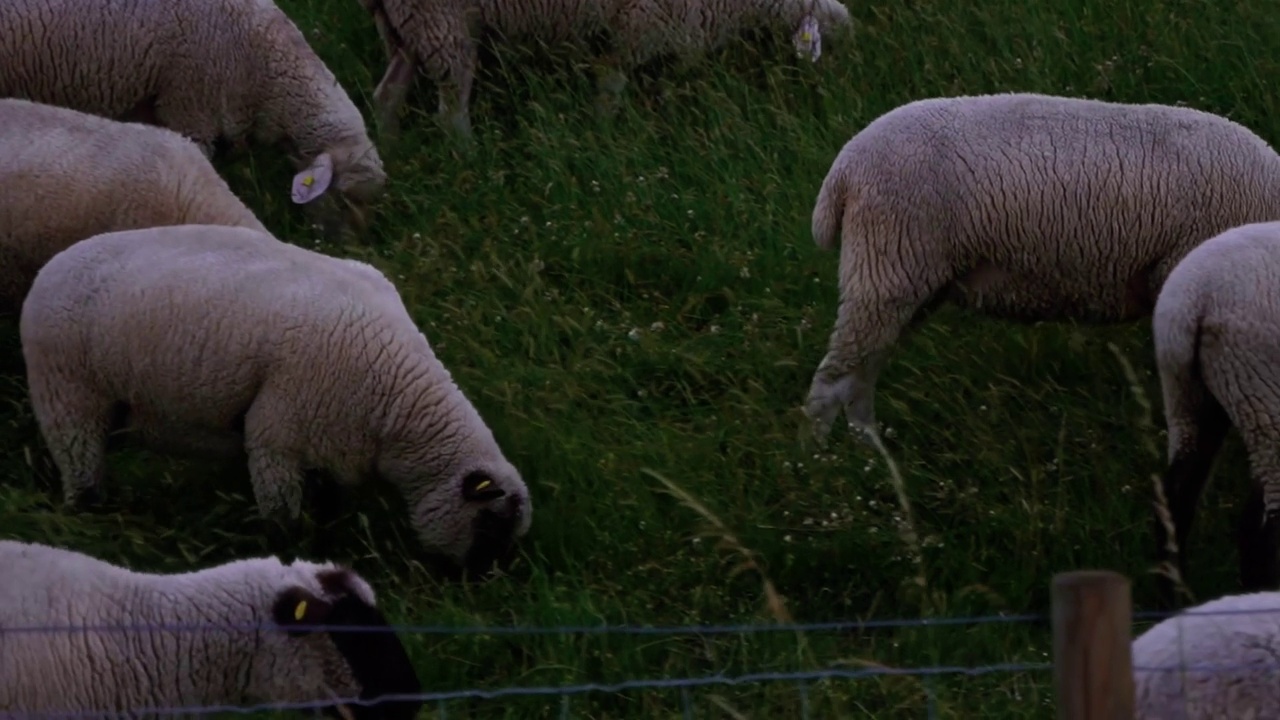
[67, 175]
[1040, 207]
[251, 74]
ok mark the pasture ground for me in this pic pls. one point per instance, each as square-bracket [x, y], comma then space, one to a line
[642, 296]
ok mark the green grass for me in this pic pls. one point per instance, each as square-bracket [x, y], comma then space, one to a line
[643, 295]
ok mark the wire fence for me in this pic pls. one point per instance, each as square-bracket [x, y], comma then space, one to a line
[1071, 622]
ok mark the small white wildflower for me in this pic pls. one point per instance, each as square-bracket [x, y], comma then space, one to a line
[634, 334]
[657, 327]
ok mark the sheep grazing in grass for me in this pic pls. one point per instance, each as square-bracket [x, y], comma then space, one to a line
[1025, 207]
[225, 342]
[213, 70]
[1216, 330]
[66, 175]
[287, 634]
[441, 38]
[1216, 660]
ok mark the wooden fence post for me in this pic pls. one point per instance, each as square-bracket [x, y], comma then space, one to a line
[1092, 658]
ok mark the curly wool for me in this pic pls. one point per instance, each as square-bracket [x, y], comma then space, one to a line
[1216, 331]
[1021, 206]
[266, 352]
[213, 70]
[252, 659]
[441, 38]
[1216, 660]
[66, 175]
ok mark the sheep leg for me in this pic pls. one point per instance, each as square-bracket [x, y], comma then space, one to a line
[276, 473]
[1259, 525]
[611, 81]
[878, 302]
[75, 423]
[1197, 426]
[392, 91]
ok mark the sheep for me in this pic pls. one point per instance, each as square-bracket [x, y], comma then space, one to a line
[441, 38]
[213, 341]
[217, 71]
[131, 641]
[1216, 660]
[66, 175]
[1024, 207]
[1216, 332]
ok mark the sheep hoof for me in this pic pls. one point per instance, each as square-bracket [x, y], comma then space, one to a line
[89, 498]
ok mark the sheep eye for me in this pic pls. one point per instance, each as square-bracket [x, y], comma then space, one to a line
[479, 487]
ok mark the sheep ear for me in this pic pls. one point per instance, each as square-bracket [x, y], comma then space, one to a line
[297, 606]
[313, 181]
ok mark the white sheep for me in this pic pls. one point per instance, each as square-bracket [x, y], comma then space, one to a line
[224, 342]
[1216, 331]
[66, 175]
[441, 38]
[1021, 206]
[213, 70]
[242, 633]
[1216, 660]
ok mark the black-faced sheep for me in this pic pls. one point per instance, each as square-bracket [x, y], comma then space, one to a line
[224, 341]
[262, 650]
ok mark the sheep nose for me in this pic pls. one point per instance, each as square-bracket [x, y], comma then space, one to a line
[510, 507]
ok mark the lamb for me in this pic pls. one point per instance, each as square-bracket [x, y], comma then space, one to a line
[217, 71]
[1022, 206]
[215, 341]
[66, 175]
[1216, 331]
[1216, 660]
[142, 643]
[441, 38]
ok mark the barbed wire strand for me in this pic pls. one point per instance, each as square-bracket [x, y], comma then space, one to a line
[684, 684]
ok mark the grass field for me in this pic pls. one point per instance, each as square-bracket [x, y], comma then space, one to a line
[640, 299]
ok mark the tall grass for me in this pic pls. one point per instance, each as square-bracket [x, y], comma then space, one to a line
[636, 308]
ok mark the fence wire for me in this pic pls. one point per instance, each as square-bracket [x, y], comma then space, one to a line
[801, 679]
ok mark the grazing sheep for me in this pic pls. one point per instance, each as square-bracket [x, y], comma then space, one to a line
[1025, 207]
[268, 650]
[441, 37]
[67, 175]
[1216, 330]
[217, 341]
[213, 70]
[1216, 660]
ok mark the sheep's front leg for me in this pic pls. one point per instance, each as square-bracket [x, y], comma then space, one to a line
[74, 422]
[392, 91]
[611, 82]
[878, 301]
[278, 483]
[275, 469]
[1259, 526]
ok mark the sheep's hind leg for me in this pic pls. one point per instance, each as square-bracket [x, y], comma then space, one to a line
[75, 424]
[872, 316]
[1197, 426]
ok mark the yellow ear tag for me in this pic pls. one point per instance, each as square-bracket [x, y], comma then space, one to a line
[308, 181]
[484, 484]
[301, 610]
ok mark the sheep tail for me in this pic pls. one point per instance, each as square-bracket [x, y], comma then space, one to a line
[828, 210]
